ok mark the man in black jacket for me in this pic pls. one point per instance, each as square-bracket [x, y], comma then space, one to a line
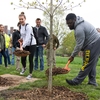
[42, 38]
[15, 44]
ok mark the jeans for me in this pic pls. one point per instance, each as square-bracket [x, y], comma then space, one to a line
[5, 57]
[0, 58]
[7, 54]
[39, 52]
[13, 56]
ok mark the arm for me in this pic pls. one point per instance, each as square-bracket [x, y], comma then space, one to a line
[57, 42]
[28, 36]
[80, 38]
[46, 35]
[0, 42]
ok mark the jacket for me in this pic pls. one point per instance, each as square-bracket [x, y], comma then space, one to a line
[15, 38]
[55, 43]
[7, 40]
[41, 35]
[85, 34]
[2, 41]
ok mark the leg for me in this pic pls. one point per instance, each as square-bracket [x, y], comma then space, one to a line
[0, 58]
[23, 61]
[17, 63]
[54, 59]
[31, 56]
[13, 56]
[5, 57]
[90, 59]
[7, 54]
[36, 59]
[41, 58]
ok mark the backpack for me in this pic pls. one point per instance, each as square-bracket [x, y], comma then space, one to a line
[31, 34]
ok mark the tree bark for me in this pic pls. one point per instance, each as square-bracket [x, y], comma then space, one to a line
[51, 49]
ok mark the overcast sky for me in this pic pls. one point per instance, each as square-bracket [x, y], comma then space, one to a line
[89, 11]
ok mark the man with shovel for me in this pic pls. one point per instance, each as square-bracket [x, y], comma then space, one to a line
[88, 41]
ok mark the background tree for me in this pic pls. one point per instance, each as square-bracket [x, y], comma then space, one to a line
[68, 43]
[44, 5]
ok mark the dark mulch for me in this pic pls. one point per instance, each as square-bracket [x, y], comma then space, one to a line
[56, 71]
[21, 53]
[6, 82]
[59, 93]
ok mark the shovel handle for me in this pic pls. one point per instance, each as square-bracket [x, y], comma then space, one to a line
[68, 63]
[66, 67]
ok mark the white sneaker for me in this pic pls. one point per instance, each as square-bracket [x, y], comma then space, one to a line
[28, 77]
[23, 70]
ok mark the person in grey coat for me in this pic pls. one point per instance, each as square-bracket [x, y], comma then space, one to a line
[88, 41]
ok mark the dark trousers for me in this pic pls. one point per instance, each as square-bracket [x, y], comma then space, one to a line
[31, 49]
[8, 56]
[90, 58]
[5, 57]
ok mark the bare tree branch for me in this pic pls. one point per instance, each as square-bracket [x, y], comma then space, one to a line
[43, 6]
[73, 6]
[57, 6]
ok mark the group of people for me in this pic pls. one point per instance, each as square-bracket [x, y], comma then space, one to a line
[35, 39]
[32, 39]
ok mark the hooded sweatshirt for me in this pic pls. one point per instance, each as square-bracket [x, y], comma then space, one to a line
[85, 34]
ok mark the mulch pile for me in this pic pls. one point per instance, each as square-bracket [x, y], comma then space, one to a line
[59, 93]
[5, 82]
[21, 53]
[56, 71]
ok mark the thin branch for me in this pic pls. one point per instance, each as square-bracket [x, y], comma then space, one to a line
[73, 6]
[57, 6]
[43, 6]
[39, 9]
[17, 6]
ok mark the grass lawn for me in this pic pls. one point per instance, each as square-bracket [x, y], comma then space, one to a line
[59, 80]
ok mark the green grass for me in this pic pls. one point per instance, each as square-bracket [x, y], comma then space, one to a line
[92, 92]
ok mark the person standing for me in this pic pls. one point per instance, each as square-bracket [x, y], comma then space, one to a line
[55, 46]
[13, 48]
[7, 44]
[42, 39]
[28, 44]
[2, 45]
[88, 41]
[16, 45]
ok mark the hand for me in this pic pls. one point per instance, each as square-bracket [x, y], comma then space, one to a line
[21, 48]
[43, 45]
[20, 40]
[71, 58]
[54, 48]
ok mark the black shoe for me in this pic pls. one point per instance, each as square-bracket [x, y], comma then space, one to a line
[93, 84]
[70, 82]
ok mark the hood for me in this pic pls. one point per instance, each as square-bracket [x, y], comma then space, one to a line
[78, 21]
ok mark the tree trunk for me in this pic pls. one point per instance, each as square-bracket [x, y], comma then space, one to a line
[51, 49]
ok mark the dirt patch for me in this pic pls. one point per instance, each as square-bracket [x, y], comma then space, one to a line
[59, 93]
[7, 81]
